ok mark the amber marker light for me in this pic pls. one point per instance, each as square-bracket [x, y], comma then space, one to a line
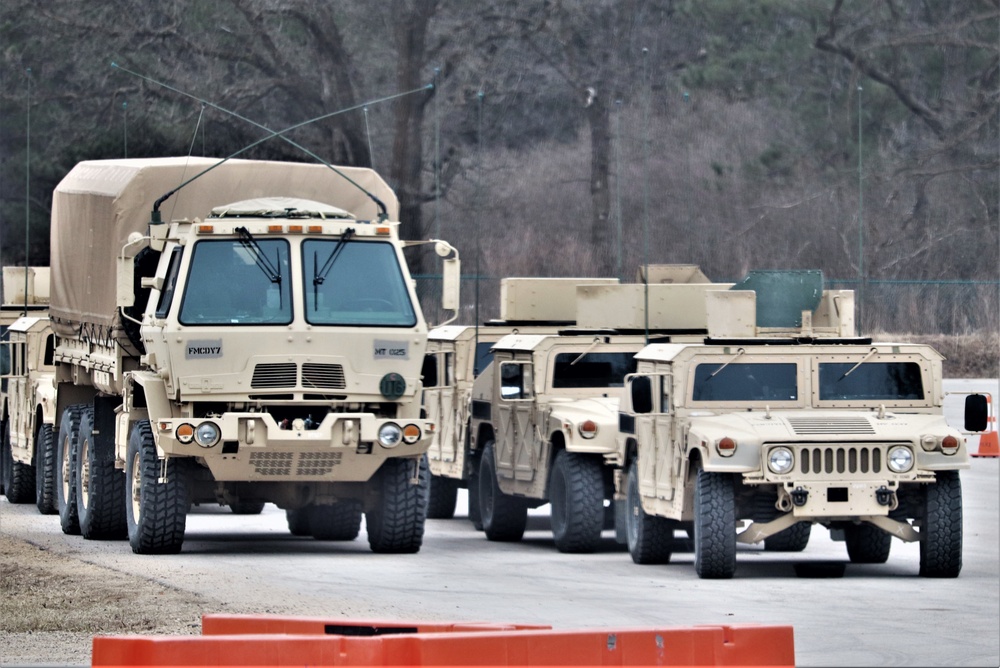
[726, 446]
[382, 231]
[411, 434]
[185, 433]
[588, 429]
[206, 229]
[315, 229]
[276, 229]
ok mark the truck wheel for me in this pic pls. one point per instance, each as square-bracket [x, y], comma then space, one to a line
[18, 478]
[341, 521]
[504, 517]
[793, 539]
[247, 507]
[69, 427]
[867, 544]
[444, 495]
[649, 538]
[45, 472]
[714, 526]
[941, 532]
[156, 511]
[576, 492]
[100, 487]
[298, 521]
[475, 516]
[396, 521]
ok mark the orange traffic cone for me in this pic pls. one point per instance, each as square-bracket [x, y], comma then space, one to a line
[989, 445]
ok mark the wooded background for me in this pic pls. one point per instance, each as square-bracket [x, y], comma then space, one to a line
[563, 137]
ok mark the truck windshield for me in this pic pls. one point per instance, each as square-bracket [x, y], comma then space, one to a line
[592, 370]
[745, 382]
[226, 286]
[363, 286]
[882, 381]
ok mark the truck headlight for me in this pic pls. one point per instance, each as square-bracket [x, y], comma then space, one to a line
[900, 459]
[207, 434]
[780, 460]
[389, 435]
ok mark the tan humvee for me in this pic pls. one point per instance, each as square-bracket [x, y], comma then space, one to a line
[785, 424]
[252, 349]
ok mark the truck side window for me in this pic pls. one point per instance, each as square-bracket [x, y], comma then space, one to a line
[515, 381]
[167, 293]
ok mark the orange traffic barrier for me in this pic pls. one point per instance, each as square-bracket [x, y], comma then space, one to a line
[222, 624]
[989, 443]
[501, 645]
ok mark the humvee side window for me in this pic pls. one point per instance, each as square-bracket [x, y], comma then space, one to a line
[719, 381]
[592, 370]
[449, 369]
[484, 355]
[515, 381]
[664, 394]
[50, 350]
[430, 370]
[873, 381]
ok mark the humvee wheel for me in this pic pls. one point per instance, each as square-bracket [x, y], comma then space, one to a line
[941, 532]
[444, 496]
[341, 521]
[247, 507]
[18, 478]
[475, 515]
[396, 521]
[793, 539]
[69, 427]
[714, 526]
[100, 487]
[576, 492]
[867, 544]
[504, 517]
[649, 538]
[298, 521]
[156, 511]
[45, 471]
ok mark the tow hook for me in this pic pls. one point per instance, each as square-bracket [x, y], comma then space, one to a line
[884, 496]
[799, 496]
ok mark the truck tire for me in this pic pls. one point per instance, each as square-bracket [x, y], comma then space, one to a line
[867, 544]
[156, 511]
[18, 478]
[69, 427]
[396, 521]
[504, 517]
[444, 496]
[576, 493]
[941, 532]
[100, 487]
[340, 521]
[298, 521]
[45, 471]
[714, 526]
[247, 507]
[650, 538]
[793, 539]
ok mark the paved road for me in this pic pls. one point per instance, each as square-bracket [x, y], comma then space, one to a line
[873, 615]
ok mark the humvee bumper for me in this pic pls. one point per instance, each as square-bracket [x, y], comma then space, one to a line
[839, 499]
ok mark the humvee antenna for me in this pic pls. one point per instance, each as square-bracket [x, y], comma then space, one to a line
[383, 212]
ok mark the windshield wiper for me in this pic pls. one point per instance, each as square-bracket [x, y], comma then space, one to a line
[715, 373]
[272, 271]
[320, 273]
[863, 360]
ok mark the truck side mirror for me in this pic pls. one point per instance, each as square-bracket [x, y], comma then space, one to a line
[976, 412]
[641, 389]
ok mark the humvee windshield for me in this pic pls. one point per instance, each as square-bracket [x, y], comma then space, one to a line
[592, 370]
[883, 381]
[745, 382]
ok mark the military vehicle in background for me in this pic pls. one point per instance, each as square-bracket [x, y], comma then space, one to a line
[27, 393]
[263, 345]
[784, 418]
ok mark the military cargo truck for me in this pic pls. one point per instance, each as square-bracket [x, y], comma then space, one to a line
[781, 419]
[264, 345]
[27, 409]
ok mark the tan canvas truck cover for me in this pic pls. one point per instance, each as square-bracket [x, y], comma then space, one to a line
[101, 202]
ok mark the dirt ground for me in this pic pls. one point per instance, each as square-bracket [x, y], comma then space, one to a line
[51, 606]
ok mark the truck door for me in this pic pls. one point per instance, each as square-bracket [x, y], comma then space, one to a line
[515, 435]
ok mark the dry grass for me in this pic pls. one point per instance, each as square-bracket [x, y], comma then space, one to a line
[966, 355]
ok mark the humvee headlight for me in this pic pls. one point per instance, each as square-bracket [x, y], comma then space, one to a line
[588, 429]
[389, 435]
[184, 433]
[207, 434]
[780, 460]
[900, 459]
[411, 434]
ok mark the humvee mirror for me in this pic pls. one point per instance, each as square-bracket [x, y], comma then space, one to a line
[976, 412]
[642, 394]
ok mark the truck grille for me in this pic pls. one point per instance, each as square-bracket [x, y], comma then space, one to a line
[286, 375]
[274, 375]
[301, 464]
[840, 459]
[830, 425]
[329, 376]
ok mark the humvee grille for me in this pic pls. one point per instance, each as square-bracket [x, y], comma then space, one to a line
[840, 459]
[330, 376]
[274, 375]
[830, 425]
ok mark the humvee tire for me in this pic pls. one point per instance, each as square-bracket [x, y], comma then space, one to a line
[18, 478]
[714, 526]
[69, 428]
[45, 471]
[247, 507]
[156, 512]
[298, 521]
[941, 532]
[867, 544]
[100, 487]
[649, 538]
[793, 539]
[396, 521]
[504, 517]
[576, 493]
[340, 521]
[475, 514]
[444, 496]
